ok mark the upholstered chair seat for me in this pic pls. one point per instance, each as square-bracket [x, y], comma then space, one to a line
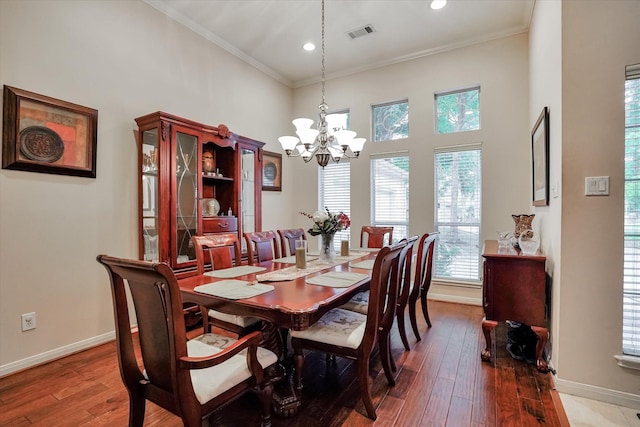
[241, 321]
[211, 382]
[342, 328]
[359, 303]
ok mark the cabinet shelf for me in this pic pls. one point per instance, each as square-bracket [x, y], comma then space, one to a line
[217, 178]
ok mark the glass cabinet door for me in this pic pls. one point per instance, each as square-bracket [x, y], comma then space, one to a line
[247, 199]
[149, 174]
[186, 200]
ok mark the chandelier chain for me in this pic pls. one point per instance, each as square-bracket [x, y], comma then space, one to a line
[323, 78]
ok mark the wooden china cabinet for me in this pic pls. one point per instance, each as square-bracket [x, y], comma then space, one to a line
[194, 179]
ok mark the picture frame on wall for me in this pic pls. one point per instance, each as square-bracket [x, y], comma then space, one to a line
[540, 159]
[48, 135]
[271, 171]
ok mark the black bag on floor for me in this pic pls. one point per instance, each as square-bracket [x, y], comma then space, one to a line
[521, 341]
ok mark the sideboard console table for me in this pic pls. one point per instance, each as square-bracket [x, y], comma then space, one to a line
[514, 288]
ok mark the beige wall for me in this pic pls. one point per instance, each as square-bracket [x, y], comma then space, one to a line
[545, 89]
[500, 67]
[598, 39]
[124, 59]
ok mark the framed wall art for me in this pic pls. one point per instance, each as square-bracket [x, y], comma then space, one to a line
[540, 159]
[47, 135]
[271, 171]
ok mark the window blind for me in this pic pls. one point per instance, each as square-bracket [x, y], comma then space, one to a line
[458, 205]
[390, 193]
[631, 278]
[335, 193]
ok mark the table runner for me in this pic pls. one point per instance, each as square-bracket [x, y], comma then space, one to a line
[233, 289]
[337, 279]
[291, 259]
[240, 270]
[292, 273]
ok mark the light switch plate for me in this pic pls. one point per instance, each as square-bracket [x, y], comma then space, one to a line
[596, 186]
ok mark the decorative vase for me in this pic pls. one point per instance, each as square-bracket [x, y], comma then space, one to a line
[327, 251]
[523, 222]
[529, 242]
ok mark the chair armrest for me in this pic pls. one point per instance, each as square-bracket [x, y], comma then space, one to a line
[249, 341]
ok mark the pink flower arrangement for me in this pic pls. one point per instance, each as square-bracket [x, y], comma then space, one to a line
[326, 222]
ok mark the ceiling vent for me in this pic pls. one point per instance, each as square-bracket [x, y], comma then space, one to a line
[362, 31]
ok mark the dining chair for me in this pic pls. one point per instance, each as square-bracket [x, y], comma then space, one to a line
[189, 378]
[422, 280]
[360, 304]
[354, 335]
[376, 237]
[288, 239]
[219, 251]
[261, 246]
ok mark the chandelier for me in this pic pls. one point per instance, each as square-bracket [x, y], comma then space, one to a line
[330, 141]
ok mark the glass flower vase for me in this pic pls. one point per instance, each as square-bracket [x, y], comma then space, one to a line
[327, 251]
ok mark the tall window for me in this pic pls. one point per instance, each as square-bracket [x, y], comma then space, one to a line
[457, 205]
[390, 193]
[458, 111]
[335, 193]
[391, 121]
[631, 289]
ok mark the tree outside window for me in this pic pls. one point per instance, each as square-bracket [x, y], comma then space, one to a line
[391, 121]
[458, 111]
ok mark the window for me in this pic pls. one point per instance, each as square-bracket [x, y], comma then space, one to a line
[457, 216]
[390, 193]
[338, 119]
[335, 193]
[391, 121]
[631, 288]
[458, 111]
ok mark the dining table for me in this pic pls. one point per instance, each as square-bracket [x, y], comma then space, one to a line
[284, 296]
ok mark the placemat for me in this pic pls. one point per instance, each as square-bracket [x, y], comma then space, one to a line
[366, 264]
[240, 270]
[233, 289]
[337, 279]
[291, 259]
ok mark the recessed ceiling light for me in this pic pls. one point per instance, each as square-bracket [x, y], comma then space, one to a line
[309, 46]
[438, 4]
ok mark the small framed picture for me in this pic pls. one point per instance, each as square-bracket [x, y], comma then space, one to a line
[540, 159]
[271, 171]
[47, 135]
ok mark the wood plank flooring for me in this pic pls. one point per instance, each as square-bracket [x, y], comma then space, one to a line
[440, 382]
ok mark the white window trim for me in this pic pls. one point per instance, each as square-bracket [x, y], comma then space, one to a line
[626, 361]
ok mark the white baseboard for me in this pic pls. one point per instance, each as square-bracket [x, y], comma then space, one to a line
[455, 299]
[614, 397]
[54, 354]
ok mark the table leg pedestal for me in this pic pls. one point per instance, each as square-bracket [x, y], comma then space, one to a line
[285, 400]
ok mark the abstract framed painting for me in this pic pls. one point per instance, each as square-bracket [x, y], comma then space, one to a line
[47, 135]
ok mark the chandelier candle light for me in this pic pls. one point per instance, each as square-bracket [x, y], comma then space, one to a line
[330, 141]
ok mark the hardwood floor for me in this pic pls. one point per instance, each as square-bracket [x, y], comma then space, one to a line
[440, 382]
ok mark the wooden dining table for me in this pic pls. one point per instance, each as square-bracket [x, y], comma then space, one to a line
[291, 304]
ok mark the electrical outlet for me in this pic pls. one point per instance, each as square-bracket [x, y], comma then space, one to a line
[28, 321]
